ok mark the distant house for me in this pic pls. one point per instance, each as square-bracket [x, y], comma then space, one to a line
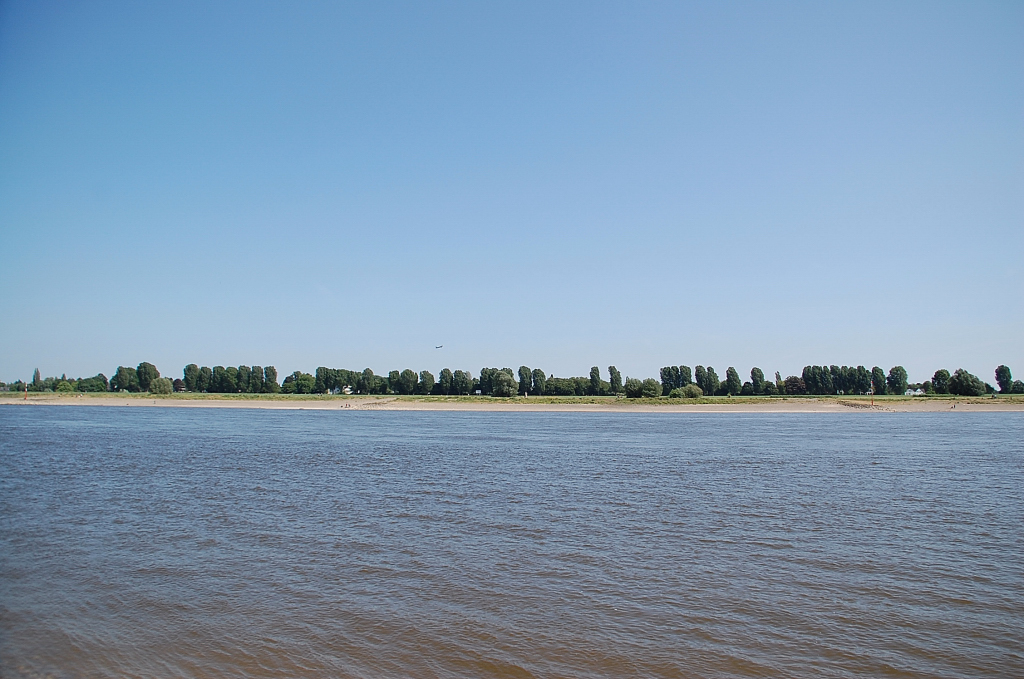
[913, 392]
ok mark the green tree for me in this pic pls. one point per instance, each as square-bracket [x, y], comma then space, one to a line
[713, 382]
[503, 385]
[794, 385]
[161, 385]
[394, 378]
[93, 384]
[896, 382]
[426, 384]
[270, 385]
[1017, 387]
[218, 384]
[614, 380]
[669, 379]
[256, 380]
[594, 388]
[37, 380]
[539, 379]
[634, 388]
[825, 380]
[445, 381]
[322, 376]
[146, 372]
[863, 380]
[700, 377]
[406, 382]
[770, 389]
[651, 388]
[462, 382]
[1004, 379]
[243, 375]
[486, 379]
[525, 380]
[205, 379]
[810, 380]
[685, 376]
[757, 380]
[367, 383]
[963, 383]
[878, 380]
[125, 379]
[191, 377]
[297, 383]
[732, 381]
[780, 385]
[63, 386]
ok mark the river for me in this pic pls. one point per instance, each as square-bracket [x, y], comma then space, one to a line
[166, 542]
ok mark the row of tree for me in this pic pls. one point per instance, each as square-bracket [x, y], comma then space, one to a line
[676, 381]
[834, 379]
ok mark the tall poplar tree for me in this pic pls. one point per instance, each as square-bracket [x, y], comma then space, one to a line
[614, 380]
[713, 382]
[732, 381]
[270, 385]
[256, 385]
[191, 374]
[1004, 379]
[525, 380]
[757, 380]
[242, 378]
[539, 382]
[462, 382]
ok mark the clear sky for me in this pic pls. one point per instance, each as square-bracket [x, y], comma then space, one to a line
[559, 185]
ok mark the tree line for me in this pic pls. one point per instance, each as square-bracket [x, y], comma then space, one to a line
[831, 380]
[675, 382]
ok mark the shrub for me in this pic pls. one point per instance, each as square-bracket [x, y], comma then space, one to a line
[634, 388]
[64, 387]
[161, 385]
[1017, 388]
[651, 388]
[689, 391]
[504, 385]
[795, 385]
[963, 383]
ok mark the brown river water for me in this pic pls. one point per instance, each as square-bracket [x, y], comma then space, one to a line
[170, 542]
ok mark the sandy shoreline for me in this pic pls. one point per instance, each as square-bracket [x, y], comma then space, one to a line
[795, 405]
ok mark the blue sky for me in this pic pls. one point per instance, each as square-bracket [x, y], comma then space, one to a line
[553, 184]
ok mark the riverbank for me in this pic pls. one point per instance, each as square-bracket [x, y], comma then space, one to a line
[820, 404]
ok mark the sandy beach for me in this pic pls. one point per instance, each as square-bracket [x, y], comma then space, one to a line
[609, 405]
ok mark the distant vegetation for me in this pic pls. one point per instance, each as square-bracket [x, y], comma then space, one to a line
[675, 382]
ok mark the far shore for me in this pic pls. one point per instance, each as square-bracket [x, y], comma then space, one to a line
[800, 404]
